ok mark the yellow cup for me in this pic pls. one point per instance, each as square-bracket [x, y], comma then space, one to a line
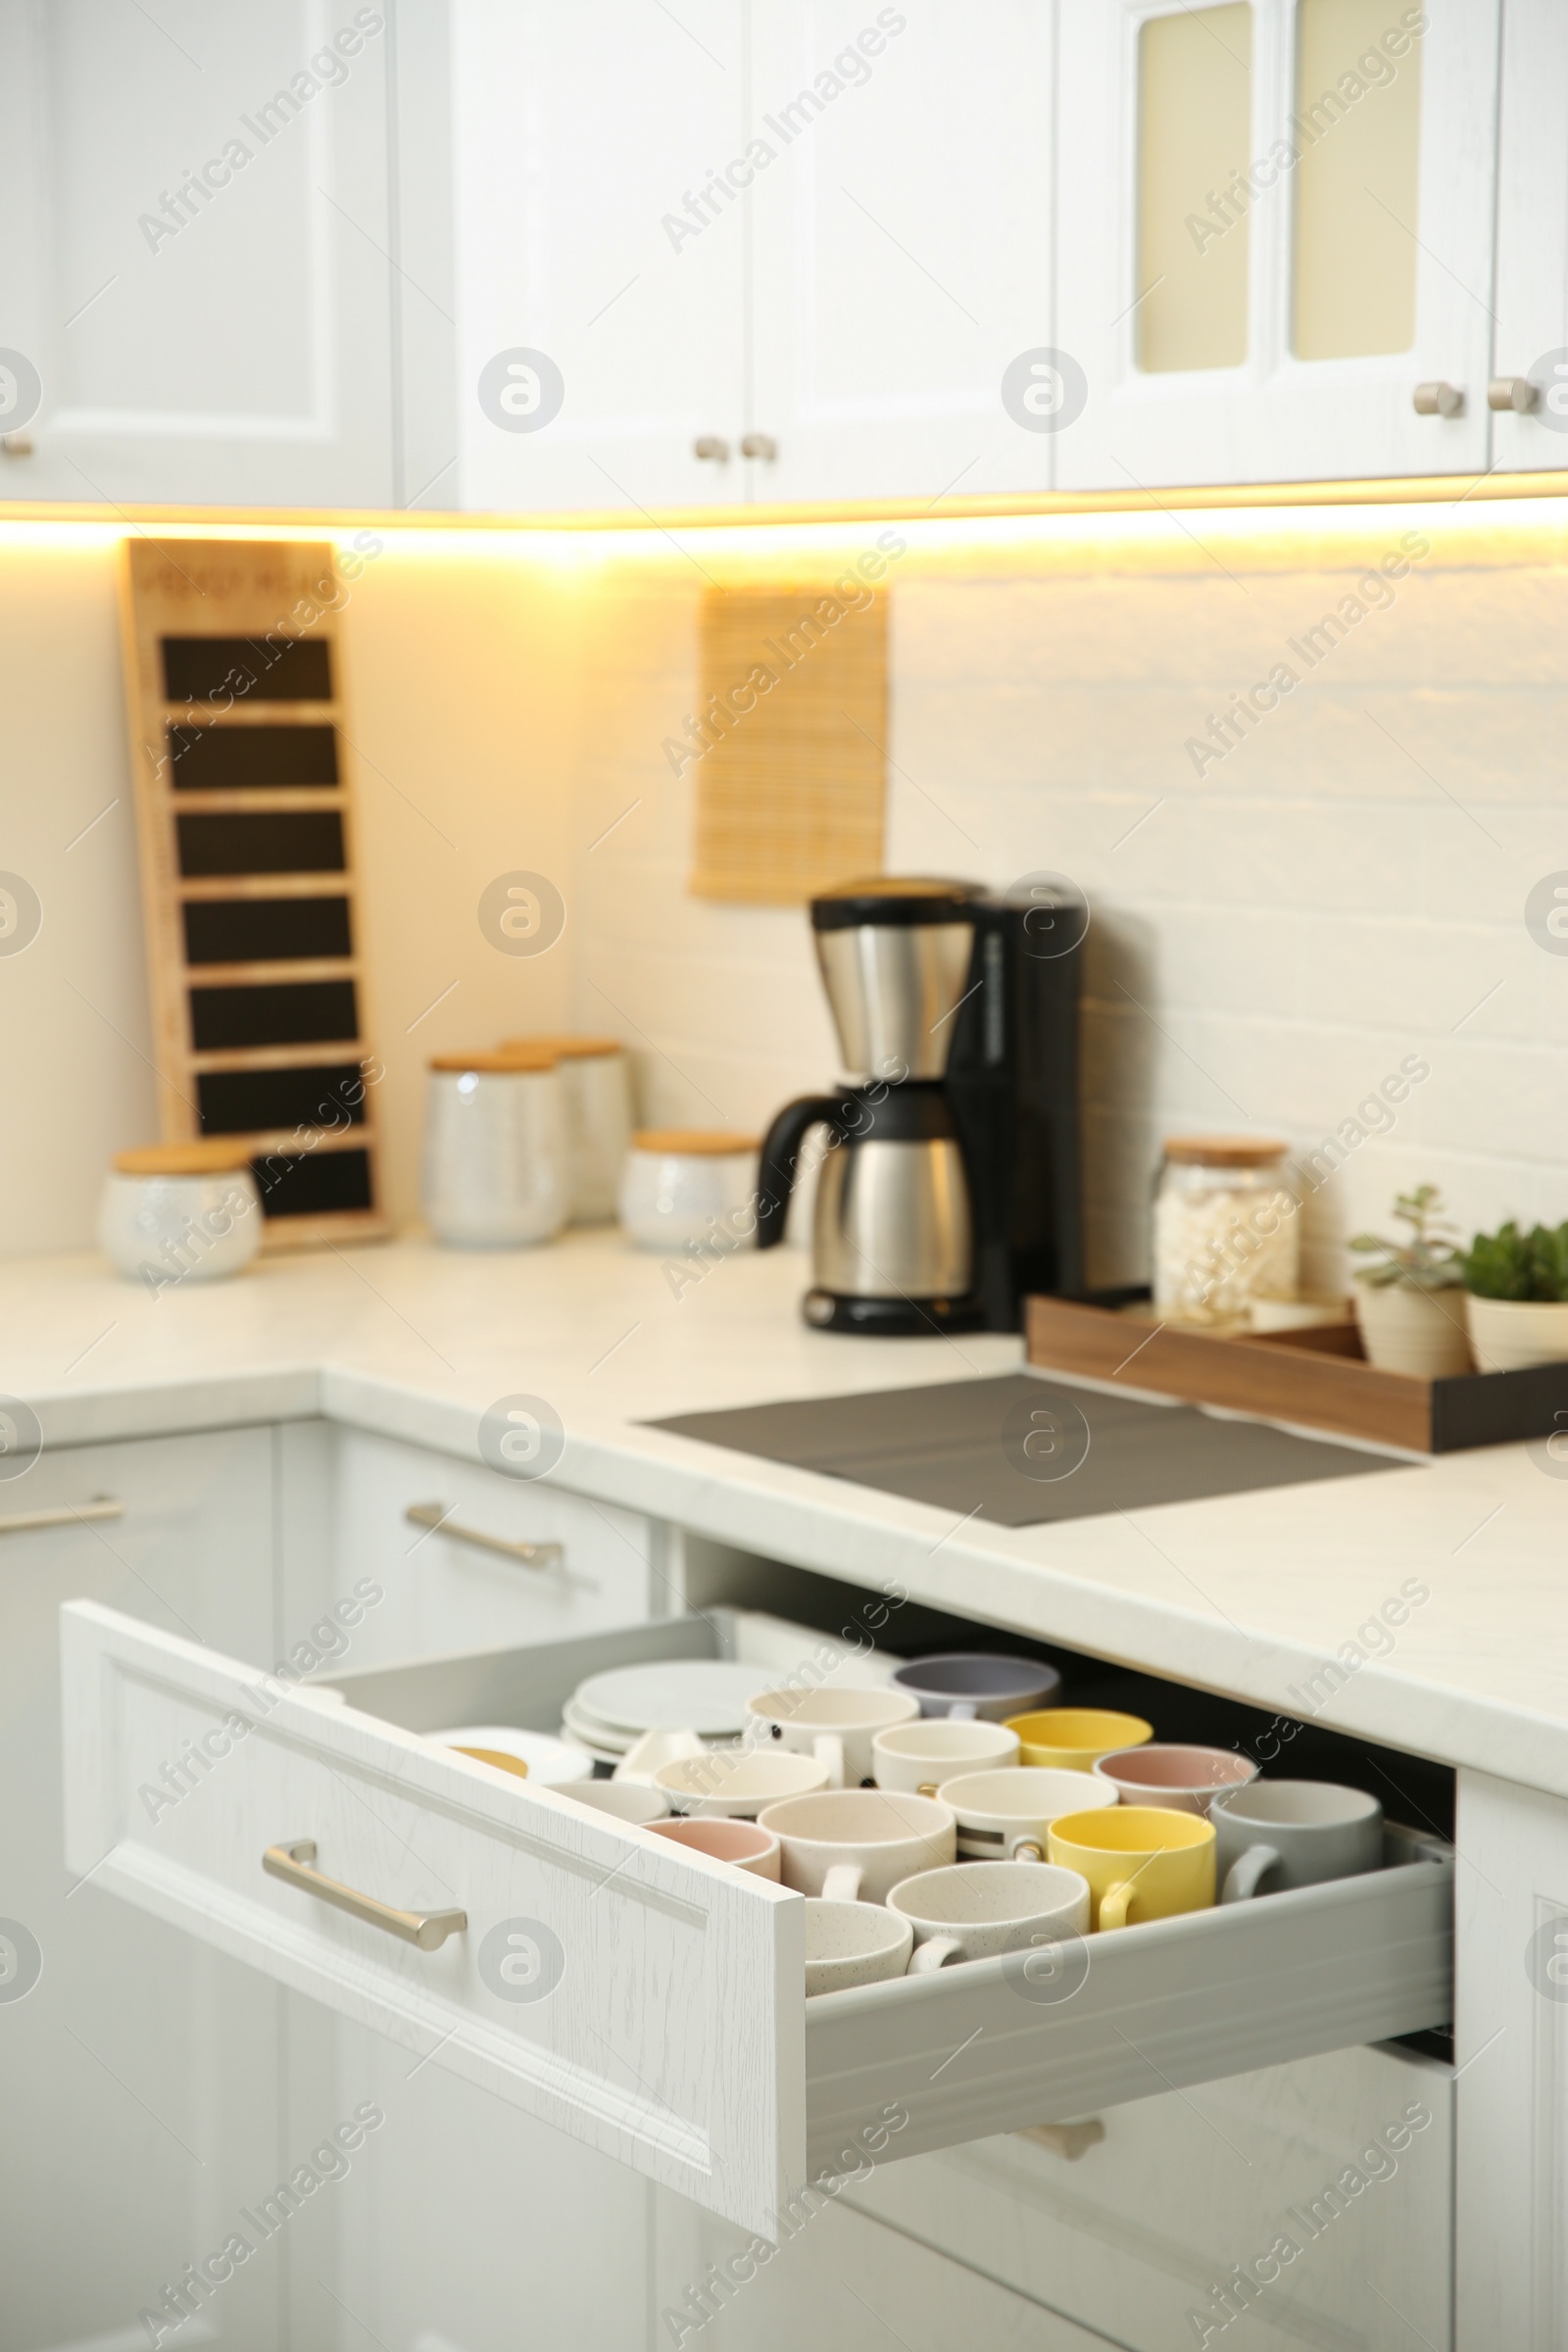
[1141, 1861]
[1074, 1738]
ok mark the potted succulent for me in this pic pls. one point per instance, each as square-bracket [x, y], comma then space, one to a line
[1516, 1296]
[1410, 1305]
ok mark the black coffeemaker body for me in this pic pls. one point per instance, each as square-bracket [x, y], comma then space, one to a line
[951, 1186]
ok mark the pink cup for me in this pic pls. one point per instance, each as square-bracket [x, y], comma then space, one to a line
[740, 1843]
[1179, 1779]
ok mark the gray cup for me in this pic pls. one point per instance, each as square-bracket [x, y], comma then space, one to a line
[972, 1686]
[1279, 1833]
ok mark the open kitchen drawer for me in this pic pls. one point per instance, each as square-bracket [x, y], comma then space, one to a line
[642, 1998]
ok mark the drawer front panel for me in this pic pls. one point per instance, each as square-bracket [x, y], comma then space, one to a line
[646, 2000]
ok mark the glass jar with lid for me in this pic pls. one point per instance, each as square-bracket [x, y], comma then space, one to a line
[1226, 1228]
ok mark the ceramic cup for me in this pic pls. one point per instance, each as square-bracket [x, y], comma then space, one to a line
[971, 1685]
[739, 1843]
[854, 1845]
[1074, 1738]
[180, 1212]
[1280, 1833]
[1007, 1816]
[1187, 1780]
[494, 1150]
[919, 1756]
[853, 1944]
[1141, 1862]
[837, 1727]
[681, 1185]
[736, 1782]
[622, 1800]
[534, 1755]
[596, 1108]
[969, 1914]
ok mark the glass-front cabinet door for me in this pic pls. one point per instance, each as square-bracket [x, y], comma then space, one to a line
[1276, 238]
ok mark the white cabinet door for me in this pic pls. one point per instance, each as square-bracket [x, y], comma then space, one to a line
[902, 245]
[140, 2072]
[600, 228]
[1231, 272]
[197, 252]
[1530, 345]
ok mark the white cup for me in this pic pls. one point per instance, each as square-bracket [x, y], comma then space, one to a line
[181, 1223]
[1003, 1816]
[834, 1726]
[853, 1944]
[735, 1783]
[623, 1801]
[853, 1844]
[494, 1152]
[920, 1756]
[970, 1913]
[682, 1185]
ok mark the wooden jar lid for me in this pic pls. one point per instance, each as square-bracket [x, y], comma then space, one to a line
[1223, 1151]
[211, 1156]
[563, 1048]
[693, 1143]
[510, 1062]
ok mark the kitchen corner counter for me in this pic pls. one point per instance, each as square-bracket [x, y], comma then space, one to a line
[1249, 1595]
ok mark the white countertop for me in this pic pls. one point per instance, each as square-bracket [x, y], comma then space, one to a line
[1246, 1595]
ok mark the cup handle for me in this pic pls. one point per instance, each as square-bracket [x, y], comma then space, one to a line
[1241, 1880]
[828, 1748]
[928, 1789]
[964, 1710]
[842, 1884]
[927, 1958]
[1026, 1849]
[1115, 1904]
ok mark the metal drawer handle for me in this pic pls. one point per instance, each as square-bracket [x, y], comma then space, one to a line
[1070, 2140]
[19, 1522]
[429, 1929]
[526, 1556]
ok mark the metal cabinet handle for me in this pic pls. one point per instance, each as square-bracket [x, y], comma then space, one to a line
[1514, 392]
[526, 1556]
[1067, 2140]
[760, 445]
[429, 1929]
[17, 445]
[1438, 400]
[714, 446]
[19, 1522]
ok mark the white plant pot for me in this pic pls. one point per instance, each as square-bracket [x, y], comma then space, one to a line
[1419, 1331]
[1507, 1335]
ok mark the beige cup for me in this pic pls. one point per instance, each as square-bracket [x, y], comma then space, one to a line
[1007, 1816]
[918, 1757]
[853, 1944]
[970, 1913]
[834, 1726]
[854, 1845]
[736, 1782]
[741, 1844]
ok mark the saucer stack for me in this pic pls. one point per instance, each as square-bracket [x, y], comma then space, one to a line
[609, 1713]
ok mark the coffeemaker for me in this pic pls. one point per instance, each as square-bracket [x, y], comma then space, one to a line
[949, 1188]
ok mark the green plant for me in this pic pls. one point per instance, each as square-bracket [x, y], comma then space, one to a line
[1427, 1260]
[1510, 1264]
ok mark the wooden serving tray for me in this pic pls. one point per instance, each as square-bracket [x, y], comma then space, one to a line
[1318, 1379]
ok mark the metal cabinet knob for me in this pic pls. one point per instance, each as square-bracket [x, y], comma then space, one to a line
[712, 446]
[760, 445]
[17, 445]
[1438, 400]
[1514, 392]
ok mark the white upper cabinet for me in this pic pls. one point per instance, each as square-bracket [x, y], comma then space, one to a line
[601, 236]
[1530, 345]
[1275, 238]
[902, 245]
[197, 254]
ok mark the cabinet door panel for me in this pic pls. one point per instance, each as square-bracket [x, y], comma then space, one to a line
[1275, 417]
[1530, 336]
[586, 134]
[218, 339]
[902, 245]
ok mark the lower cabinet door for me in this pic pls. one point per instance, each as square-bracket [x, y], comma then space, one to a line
[648, 2002]
[1303, 2204]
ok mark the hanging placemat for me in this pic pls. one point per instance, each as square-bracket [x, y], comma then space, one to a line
[788, 747]
[245, 823]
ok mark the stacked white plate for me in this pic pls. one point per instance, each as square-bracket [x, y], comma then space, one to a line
[609, 1713]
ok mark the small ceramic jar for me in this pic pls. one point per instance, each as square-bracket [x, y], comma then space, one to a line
[597, 1106]
[180, 1212]
[684, 1185]
[495, 1160]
